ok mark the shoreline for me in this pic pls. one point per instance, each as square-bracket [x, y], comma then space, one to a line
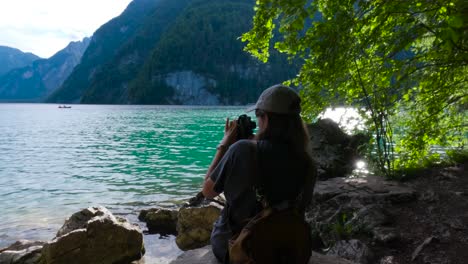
[163, 249]
[388, 210]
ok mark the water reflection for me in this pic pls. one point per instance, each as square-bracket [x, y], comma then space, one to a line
[160, 249]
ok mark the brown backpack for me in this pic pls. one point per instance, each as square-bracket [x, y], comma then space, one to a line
[274, 235]
[277, 234]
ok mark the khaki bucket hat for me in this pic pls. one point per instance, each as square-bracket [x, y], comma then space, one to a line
[278, 99]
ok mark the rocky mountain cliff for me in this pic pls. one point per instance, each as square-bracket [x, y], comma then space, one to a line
[173, 52]
[38, 80]
[11, 58]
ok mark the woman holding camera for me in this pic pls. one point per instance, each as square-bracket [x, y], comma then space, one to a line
[273, 165]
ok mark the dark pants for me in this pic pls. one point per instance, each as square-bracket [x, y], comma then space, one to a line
[220, 239]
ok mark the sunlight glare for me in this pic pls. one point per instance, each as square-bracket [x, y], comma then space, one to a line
[360, 164]
[347, 118]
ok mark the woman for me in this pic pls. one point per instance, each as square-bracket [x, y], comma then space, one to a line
[274, 165]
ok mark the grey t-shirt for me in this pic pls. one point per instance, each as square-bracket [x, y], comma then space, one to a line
[234, 176]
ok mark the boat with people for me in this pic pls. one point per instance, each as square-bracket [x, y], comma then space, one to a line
[64, 106]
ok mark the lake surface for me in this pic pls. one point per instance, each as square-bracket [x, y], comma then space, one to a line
[54, 162]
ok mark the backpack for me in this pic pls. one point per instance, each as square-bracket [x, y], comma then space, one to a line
[276, 234]
[272, 236]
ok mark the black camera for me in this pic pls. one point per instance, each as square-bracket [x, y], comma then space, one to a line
[245, 127]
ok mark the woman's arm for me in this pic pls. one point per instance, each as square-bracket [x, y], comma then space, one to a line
[208, 185]
[230, 136]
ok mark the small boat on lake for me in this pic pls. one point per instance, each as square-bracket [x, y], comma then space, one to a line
[64, 106]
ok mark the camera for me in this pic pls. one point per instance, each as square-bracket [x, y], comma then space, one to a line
[245, 127]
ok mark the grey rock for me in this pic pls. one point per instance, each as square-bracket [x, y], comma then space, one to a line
[436, 259]
[353, 250]
[385, 234]
[202, 255]
[22, 252]
[195, 224]
[80, 220]
[443, 233]
[95, 235]
[367, 190]
[191, 88]
[160, 220]
[429, 196]
[418, 250]
[447, 175]
[345, 206]
[334, 152]
[456, 224]
[369, 217]
[205, 256]
[388, 260]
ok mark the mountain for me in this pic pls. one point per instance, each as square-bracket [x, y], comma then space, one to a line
[110, 83]
[14, 58]
[173, 52]
[110, 40]
[200, 60]
[39, 79]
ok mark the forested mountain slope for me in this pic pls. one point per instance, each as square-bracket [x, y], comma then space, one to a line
[173, 52]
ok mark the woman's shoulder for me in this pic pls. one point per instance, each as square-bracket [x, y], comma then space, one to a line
[244, 146]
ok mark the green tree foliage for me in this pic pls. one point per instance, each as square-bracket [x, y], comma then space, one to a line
[404, 62]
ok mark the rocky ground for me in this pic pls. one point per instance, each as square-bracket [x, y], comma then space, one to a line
[205, 256]
[355, 220]
[368, 220]
[372, 220]
[434, 228]
[92, 235]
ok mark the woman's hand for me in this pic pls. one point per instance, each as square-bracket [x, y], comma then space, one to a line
[230, 133]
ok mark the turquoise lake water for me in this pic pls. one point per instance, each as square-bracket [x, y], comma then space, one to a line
[54, 162]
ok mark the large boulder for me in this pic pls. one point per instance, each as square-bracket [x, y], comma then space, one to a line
[197, 256]
[344, 208]
[195, 224]
[95, 235]
[334, 151]
[369, 218]
[368, 190]
[22, 252]
[205, 256]
[159, 220]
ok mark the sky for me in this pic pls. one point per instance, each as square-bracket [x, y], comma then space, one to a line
[44, 27]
